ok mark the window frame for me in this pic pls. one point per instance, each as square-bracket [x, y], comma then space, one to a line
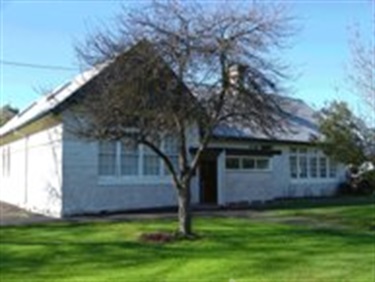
[310, 154]
[122, 152]
[240, 160]
[173, 155]
[101, 154]
[164, 176]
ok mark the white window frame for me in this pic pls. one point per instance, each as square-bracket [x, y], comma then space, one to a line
[162, 178]
[255, 158]
[116, 162]
[164, 169]
[119, 153]
[335, 170]
[147, 152]
[310, 153]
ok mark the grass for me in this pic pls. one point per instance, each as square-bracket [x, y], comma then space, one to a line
[313, 244]
[357, 212]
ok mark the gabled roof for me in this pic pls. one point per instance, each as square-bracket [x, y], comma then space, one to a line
[61, 94]
[301, 120]
[50, 101]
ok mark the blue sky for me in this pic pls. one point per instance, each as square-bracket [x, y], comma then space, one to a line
[44, 32]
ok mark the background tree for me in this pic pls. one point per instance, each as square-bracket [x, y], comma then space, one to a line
[6, 113]
[347, 139]
[189, 65]
[362, 65]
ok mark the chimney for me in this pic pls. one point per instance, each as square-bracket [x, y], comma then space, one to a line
[237, 74]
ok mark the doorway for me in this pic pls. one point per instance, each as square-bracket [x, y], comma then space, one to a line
[208, 181]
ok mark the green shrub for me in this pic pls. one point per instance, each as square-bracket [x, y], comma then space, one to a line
[369, 177]
[365, 185]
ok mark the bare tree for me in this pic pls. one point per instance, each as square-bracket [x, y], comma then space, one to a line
[362, 65]
[172, 66]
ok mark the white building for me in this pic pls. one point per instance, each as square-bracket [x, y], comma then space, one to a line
[47, 169]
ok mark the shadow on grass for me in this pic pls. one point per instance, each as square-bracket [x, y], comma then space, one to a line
[81, 248]
[305, 203]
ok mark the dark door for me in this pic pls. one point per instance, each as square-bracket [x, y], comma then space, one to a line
[208, 181]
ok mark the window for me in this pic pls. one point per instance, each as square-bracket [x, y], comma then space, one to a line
[151, 162]
[323, 167]
[332, 169]
[247, 163]
[313, 167]
[293, 166]
[232, 163]
[262, 164]
[305, 163]
[171, 149]
[107, 158]
[119, 159]
[129, 159]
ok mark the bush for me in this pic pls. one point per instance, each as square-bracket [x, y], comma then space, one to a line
[344, 189]
[363, 186]
[369, 178]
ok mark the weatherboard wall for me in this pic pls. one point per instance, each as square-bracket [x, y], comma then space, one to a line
[239, 186]
[31, 176]
[86, 192]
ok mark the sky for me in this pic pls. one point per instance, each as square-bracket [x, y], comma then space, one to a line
[45, 33]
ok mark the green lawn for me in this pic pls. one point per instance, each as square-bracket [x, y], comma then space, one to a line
[315, 244]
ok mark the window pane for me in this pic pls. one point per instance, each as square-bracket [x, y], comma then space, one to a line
[332, 169]
[323, 167]
[129, 164]
[303, 167]
[232, 163]
[151, 162]
[171, 149]
[248, 163]
[293, 166]
[313, 167]
[107, 158]
[263, 164]
[174, 160]
[151, 165]
[129, 159]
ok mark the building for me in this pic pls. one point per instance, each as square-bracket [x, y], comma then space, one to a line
[47, 169]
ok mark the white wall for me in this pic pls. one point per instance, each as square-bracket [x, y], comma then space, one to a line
[35, 179]
[53, 172]
[266, 185]
[247, 186]
[256, 185]
[86, 192]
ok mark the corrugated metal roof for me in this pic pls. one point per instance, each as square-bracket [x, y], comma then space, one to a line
[49, 101]
[300, 125]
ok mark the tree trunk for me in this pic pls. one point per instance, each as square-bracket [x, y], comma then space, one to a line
[184, 210]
